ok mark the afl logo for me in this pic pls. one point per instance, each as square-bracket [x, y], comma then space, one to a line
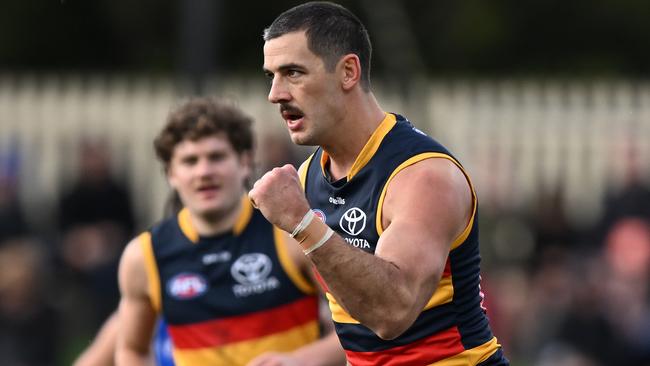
[353, 221]
[186, 286]
[251, 268]
[320, 214]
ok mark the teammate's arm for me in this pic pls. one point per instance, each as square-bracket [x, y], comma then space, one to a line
[136, 314]
[101, 351]
[427, 206]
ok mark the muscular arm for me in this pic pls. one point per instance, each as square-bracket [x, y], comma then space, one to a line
[136, 314]
[427, 206]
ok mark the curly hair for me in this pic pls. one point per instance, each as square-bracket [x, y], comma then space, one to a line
[203, 117]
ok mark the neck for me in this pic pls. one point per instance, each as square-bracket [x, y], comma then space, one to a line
[361, 118]
[218, 222]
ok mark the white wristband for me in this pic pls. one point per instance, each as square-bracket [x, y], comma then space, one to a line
[328, 234]
[306, 220]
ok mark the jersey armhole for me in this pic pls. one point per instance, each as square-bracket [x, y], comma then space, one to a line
[417, 158]
[302, 171]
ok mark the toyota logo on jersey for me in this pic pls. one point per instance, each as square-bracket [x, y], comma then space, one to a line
[252, 271]
[353, 221]
[251, 268]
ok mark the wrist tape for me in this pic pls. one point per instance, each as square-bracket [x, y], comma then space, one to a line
[311, 234]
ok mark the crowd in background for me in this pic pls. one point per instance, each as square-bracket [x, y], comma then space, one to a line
[556, 293]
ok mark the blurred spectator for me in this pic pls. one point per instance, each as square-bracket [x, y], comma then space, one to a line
[627, 260]
[632, 199]
[96, 196]
[28, 323]
[550, 222]
[96, 219]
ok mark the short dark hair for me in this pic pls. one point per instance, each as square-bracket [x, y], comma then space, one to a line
[204, 117]
[332, 32]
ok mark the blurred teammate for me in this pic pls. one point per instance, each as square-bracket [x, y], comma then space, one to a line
[219, 274]
[393, 231]
[101, 351]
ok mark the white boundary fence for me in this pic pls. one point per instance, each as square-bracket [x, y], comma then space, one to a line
[514, 137]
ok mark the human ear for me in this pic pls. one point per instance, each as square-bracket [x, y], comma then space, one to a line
[350, 71]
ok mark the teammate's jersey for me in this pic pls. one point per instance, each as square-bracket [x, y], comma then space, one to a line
[453, 328]
[228, 298]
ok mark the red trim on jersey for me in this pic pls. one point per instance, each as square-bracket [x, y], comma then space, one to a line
[320, 280]
[428, 350]
[244, 327]
[447, 271]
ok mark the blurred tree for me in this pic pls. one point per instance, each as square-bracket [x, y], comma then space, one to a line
[483, 38]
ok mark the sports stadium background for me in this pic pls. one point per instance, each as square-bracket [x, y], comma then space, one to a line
[547, 103]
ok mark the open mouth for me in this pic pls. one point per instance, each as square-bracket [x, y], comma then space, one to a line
[293, 116]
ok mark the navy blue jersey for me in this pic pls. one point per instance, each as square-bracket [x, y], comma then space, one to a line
[453, 324]
[228, 298]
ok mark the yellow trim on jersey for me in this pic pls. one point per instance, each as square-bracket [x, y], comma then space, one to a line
[369, 149]
[339, 315]
[153, 278]
[188, 229]
[241, 353]
[444, 293]
[244, 215]
[290, 268]
[185, 222]
[472, 356]
[415, 159]
[302, 171]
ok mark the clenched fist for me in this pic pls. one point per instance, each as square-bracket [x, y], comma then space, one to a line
[279, 195]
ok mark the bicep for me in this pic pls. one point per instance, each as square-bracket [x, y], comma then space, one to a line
[427, 206]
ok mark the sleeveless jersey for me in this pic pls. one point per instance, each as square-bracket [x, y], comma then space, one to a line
[453, 328]
[229, 298]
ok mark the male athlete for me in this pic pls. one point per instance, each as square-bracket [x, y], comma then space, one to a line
[229, 287]
[392, 229]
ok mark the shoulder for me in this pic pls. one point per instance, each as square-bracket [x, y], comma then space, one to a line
[132, 270]
[134, 250]
[434, 185]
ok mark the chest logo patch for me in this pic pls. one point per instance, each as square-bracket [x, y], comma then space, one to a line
[353, 221]
[186, 286]
[252, 272]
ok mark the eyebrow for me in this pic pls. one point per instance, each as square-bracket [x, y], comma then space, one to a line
[285, 67]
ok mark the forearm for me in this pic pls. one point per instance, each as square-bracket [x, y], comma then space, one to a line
[324, 352]
[129, 357]
[372, 290]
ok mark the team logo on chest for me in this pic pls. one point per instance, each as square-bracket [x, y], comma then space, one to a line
[353, 221]
[186, 286]
[252, 272]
